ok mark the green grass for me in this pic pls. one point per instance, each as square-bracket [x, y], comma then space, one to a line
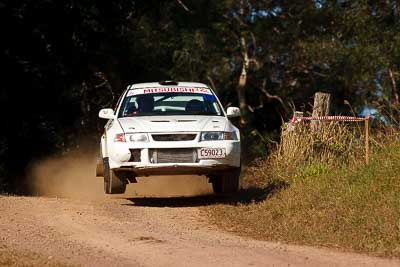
[352, 206]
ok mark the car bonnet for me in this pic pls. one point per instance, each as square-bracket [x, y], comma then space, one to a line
[161, 124]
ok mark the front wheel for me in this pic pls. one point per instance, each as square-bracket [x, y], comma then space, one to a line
[226, 182]
[99, 166]
[114, 182]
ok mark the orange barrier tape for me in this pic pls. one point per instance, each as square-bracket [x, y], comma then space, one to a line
[328, 118]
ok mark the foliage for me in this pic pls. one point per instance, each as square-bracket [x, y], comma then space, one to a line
[63, 60]
[332, 144]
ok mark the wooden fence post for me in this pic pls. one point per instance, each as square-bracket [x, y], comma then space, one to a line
[322, 106]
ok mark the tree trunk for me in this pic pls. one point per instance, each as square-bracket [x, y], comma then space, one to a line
[395, 9]
[394, 95]
[241, 88]
[322, 105]
[246, 62]
[242, 82]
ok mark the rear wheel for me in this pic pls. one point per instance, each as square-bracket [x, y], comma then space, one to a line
[114, 181]
[226, 182]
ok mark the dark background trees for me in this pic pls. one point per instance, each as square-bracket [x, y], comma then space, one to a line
[61, 61]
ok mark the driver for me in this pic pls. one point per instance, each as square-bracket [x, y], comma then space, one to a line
[145, 103]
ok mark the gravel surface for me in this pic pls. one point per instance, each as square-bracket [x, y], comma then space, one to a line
[142, 232]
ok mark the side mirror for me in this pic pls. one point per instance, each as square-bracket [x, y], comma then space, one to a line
[106, 113]
[232, 112]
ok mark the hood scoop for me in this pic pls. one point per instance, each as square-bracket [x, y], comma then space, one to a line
[161, 121]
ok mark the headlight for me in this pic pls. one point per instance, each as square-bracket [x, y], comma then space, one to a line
[213, 136]
[138, 137]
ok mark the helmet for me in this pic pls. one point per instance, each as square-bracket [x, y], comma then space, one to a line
[195, 105]
[145, 103]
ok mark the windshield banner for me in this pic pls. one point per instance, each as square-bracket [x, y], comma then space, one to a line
[155, 90]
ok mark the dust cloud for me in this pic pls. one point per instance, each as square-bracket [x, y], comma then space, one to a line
[73, 176]
[70, 176]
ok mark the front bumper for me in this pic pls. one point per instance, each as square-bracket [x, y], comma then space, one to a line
[120, 157]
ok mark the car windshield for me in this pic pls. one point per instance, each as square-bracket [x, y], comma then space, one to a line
[147, 102]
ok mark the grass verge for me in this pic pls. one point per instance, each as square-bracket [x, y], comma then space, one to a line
[325, 202]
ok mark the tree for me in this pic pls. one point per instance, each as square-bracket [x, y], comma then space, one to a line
[263, 56]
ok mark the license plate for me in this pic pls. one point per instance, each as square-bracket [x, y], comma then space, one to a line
[211, 153]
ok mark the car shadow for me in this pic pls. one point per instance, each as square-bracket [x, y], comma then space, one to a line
[245, 196]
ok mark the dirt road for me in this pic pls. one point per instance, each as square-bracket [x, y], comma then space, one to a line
[144, 232]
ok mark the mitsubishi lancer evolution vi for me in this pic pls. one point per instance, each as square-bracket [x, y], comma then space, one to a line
[169, 128]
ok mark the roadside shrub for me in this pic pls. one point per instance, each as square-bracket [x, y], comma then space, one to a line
[305, 152]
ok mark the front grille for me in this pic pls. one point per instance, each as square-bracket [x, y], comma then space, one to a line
[173, 137]
[173, 155]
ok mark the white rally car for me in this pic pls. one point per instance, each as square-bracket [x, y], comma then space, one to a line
[169, 128]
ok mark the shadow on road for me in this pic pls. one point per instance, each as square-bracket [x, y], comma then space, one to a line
[245, 196]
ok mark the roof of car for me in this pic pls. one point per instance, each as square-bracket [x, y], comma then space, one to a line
[156, 84]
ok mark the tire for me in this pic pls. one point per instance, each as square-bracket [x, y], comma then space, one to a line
[114, 182]
[216, 182]
[99, 166]
[227, 182]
